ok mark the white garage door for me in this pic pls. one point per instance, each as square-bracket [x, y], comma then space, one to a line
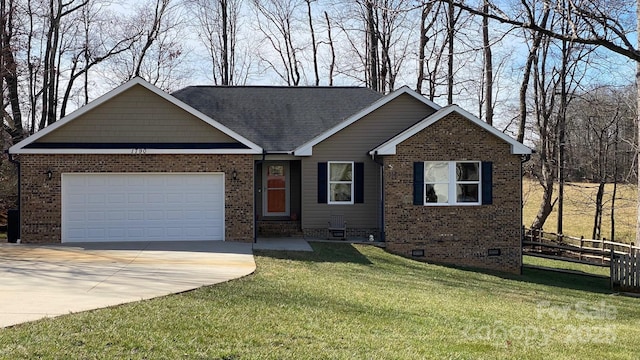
[142, 207]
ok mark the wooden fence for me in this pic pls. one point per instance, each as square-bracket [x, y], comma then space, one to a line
[622, 259]
[568, 248]
[625, 271]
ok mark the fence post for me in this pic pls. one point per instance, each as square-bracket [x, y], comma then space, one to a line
[581, 246]
[611, 269]
[603, 249]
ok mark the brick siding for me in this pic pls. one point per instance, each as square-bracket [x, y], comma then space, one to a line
[352, 233]
[40, 212]
[458, 235]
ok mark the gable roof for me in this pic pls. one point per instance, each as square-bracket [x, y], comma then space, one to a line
[248, 147]
[389, 147]
[306, 149]
[279, 119]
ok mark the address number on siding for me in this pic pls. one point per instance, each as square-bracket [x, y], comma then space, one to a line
[139, 151]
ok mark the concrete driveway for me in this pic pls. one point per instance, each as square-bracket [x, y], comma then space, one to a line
[46, 281]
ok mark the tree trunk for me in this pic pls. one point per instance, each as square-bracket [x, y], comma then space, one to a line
[488, 66]
[597, 219]
[450, 33]
[372, 39]
[333, 51]
[314, 47]
[421, 49]
[225, 42]
[638, 120]
[546, 205]
[10, 72]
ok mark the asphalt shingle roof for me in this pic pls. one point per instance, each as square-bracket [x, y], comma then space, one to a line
[278, 118]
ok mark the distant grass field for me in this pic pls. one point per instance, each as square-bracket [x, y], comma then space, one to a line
[579, 209]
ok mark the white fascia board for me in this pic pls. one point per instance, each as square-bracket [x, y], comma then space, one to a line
[19, 147]
[138, 151]
[389, 147]
[307, 148]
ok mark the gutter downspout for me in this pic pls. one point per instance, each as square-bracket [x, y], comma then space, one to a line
[256, 193]
[378, 161]
[523, 159]
[17, 164]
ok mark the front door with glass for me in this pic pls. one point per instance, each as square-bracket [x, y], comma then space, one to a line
[276, 189]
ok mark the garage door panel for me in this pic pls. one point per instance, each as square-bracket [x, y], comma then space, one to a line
[145, 207]
[95, 215]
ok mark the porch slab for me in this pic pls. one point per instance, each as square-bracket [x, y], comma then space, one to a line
[282, 244]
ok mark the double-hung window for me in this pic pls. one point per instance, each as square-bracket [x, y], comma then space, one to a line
[452, 183]
[340, 182]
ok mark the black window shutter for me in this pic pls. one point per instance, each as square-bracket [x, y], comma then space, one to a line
[418, 183]
[487, 183]
[322, 183]
[359, 183]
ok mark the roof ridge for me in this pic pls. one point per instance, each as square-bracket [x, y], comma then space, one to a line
[275, 87]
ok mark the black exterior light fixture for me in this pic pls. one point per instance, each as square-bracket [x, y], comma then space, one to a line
[234, 175]
[49, 174]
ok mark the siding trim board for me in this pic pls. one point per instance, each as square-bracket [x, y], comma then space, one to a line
[129, 146]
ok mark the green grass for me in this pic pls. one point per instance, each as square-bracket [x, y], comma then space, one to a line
[579, 209]
[566, 265]
[351, 302]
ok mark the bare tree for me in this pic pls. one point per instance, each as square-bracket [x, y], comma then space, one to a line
[158, 54]
[218, 30]
[608, 25]
[554, 83]
[488, 66]
[597, 123]
[332, 64]
[57, 11]
[383, 26]
[432, 39]
[314, 45]
[451, 32]
[426, 24]
[11, 123]
[96, 42]
[276, 22]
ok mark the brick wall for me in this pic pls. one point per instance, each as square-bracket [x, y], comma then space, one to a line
[459, 235]
[40, 212]
[352, 233]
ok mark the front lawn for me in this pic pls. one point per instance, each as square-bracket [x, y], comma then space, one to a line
[349, 302]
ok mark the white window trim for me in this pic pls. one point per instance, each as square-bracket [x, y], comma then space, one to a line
[453, 195]
[329, 182]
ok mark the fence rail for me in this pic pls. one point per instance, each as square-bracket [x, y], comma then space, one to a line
[621, 258]
[539, 243]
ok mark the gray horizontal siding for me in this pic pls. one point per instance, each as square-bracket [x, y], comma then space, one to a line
[137, 115]
[353, 144]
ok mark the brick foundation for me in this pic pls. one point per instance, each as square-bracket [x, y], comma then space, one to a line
[352, 233]
[279, 228]
[41, 203]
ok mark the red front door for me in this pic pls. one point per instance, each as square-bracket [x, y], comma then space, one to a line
[276, 175]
